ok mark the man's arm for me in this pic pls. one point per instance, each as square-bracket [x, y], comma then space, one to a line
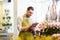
[19, 24]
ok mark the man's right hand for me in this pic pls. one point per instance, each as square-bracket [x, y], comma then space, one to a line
[29, 27]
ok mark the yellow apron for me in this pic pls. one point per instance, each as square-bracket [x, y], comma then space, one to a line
[25, 35]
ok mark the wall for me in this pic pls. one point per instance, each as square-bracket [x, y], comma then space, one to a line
[1, 13]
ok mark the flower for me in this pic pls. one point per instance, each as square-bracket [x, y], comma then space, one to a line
[58, 35]
[54, 24]
[50, 25]
[54, 35]
[43, 25]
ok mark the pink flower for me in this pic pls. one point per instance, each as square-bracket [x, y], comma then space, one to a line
[55, 24]
[54, 35]
[58, 35]
[49, 24]
[43, 26]
[58, 23]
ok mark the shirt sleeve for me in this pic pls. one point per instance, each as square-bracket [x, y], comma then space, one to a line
[19, 23]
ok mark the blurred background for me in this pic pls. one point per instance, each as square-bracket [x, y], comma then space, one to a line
[16, 8]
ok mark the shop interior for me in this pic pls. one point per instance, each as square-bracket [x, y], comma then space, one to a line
[10, 10]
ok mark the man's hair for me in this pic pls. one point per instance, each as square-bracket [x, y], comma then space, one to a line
[30, 8]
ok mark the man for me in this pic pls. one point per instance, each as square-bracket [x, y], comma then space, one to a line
[26, 24]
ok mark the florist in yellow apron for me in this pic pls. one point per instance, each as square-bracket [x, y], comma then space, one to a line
[25, 35]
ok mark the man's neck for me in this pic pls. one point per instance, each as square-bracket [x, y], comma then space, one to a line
[27, 16]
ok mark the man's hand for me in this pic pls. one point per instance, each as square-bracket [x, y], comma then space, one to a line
[32, 27]
[29, 27]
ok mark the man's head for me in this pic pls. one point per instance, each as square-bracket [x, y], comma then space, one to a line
[29, 11]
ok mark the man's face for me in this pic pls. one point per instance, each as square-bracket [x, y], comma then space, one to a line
[29, 12]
